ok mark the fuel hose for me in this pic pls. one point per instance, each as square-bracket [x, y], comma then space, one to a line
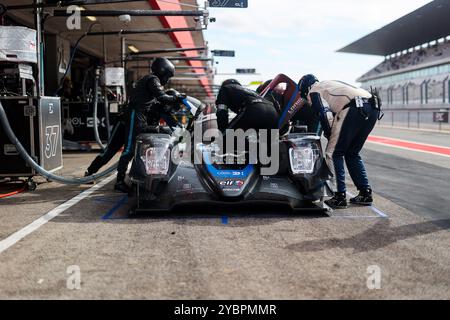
[96, 134]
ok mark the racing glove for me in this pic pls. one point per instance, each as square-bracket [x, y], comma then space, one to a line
[181, 96]
[177, 99]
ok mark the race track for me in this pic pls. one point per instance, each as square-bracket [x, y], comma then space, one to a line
[217, 254]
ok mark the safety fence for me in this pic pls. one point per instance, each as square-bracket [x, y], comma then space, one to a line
[417, 118]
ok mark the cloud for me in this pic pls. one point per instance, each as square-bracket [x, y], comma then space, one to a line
[276, 52]
[268, 18]
[298, 36]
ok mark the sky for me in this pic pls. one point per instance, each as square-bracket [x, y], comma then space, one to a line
[296, 37]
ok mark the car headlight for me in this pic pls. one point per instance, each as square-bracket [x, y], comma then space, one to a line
[156, 157]
[303, 158]
[157, 161]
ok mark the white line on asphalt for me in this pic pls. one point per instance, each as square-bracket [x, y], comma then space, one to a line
[36, 224]
[379, 212]
[376, 210]
[414, 129]
[356, 217]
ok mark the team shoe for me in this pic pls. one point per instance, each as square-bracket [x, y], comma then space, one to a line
[88, 174]
[339, 201]
[364, 198]
[122, 187]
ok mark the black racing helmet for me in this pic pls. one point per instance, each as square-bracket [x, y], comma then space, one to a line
[163, 69]
[305, 84]
[230, 81]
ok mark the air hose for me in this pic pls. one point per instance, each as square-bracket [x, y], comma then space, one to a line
[12, 193]
[96, 134]
[27, 158]
[106, 108]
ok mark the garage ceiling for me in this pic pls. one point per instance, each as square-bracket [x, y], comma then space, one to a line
[94, 44]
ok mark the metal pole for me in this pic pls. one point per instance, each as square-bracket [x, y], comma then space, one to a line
[196, 86]
[137, 58]
[418, 119]
[140, 31]
[123, 52]
[193, 68]
[106, 108]
[183, 79]
[178, 67]
[167, 51]
[104, 49]
[40, 5]
[39, 50]
[444, 83]
[189, 58]
[188, 74]
[448, 89]
[134, 13]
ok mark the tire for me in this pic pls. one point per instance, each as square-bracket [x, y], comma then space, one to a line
[31, 185]
[133, 200]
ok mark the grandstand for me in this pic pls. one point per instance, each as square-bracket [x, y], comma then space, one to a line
[415, 74]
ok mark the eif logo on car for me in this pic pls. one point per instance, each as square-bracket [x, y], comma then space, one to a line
[232, 183]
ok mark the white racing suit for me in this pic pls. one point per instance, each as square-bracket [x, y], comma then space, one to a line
[348, 115]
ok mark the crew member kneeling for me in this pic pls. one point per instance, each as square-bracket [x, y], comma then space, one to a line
[348, 115]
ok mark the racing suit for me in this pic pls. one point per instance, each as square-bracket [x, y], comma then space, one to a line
[144, 100]
[253, 111]
[347, 115]
[116, 141]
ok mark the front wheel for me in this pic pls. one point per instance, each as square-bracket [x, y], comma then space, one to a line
[133, 199]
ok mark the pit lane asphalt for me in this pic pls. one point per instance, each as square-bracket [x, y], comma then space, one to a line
[215, 254]
[416, 181]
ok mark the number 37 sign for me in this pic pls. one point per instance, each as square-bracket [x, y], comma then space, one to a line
[228, 3]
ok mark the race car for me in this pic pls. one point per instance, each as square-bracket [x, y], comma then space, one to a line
[160, 184]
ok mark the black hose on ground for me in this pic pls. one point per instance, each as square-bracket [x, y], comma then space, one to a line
[27, 158]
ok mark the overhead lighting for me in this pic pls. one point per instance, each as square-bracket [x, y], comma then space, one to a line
[91, 18]
[133, 49]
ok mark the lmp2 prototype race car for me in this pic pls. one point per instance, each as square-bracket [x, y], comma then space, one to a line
[160, 184]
